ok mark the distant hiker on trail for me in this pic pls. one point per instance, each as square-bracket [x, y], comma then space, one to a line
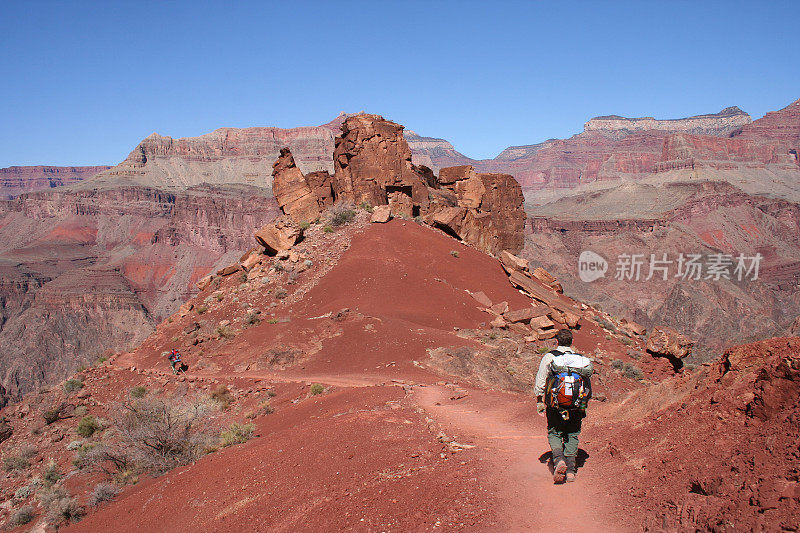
[562, 391]
[175, 361]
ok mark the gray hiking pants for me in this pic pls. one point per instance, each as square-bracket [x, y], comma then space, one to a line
[563, 435]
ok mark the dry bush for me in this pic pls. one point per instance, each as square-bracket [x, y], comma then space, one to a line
[341, 215]
[22, 516]
[151, 434]
[223, 397]
[72, 385]
[103, 492]
[236, 434]
[60, 506]
[87, 426]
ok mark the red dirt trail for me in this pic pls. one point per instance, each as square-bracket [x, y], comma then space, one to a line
[364, 457]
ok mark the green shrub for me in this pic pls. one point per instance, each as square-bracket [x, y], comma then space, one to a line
[72, 385]
[24, 492]
[543, 349]
[454, 253]
[316, 389]
[87, 426]
[139, 391]
[102, 359]
[626, 341]
[21, 516]
[304, 225]
[237, 434]
[366, 206]
[617, 364]
[632, 371]
[201, 309]
[327, 229]
[219, 297]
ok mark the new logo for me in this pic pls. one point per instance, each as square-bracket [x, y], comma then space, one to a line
[591, 266]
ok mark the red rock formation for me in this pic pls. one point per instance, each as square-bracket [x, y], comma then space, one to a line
[18, 180]
[372, 164]
[294, 193]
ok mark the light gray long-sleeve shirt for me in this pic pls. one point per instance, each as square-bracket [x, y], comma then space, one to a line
[551, 362]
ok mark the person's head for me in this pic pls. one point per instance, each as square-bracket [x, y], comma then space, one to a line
[564, 337]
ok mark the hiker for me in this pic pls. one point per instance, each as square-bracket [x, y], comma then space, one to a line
[175, 361]
[562, 391]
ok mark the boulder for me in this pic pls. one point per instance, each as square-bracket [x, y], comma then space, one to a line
[537, 290]
[633, 327]
[498, 322]
[381, 214]
[511, 262]
[527, 313]
[541, 323]
[228, 270]
[204, 282]
[667, 342]
[481, 298]
[250, 259]
[543, 334]
[565, 318]
[292, 191]
[280, 235]
[500, 308]
[185, 308]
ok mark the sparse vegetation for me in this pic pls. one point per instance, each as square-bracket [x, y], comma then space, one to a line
[277, 266]
[51, 474]
[304, 225]
[280, 294]
[316, 389]
[264, 408]
[102, 359]
[543, 349]
[251, 319]
[617, 364]
[366, 206]
[632, 371]
[53, 415]
[15, 462]
[218, 296]
[87, 426]
[21, 516]
[243, 277]
[222, 396]
[236, 434]
[72, 385]
[272, 321]
[139, 391]
[454, 253]
[24, 492]
[341, 216]
[60, 506]
[201, 309]
[224, 332]
[327, 229]
[151, 434]
[103, 492]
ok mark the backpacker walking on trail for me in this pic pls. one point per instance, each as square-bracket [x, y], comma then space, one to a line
[562, 391]
[175, 361]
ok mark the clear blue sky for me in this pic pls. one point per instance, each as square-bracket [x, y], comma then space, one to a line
[83, 82]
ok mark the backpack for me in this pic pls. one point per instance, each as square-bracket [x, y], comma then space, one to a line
[566, 388]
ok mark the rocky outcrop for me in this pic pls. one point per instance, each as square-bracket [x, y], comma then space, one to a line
[17, 180]
[484, 210]
[302, 200]
[666, 342]
[372, 163]
[723, 123]
[279, 235]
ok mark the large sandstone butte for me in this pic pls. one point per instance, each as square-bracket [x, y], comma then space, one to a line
[373, 166]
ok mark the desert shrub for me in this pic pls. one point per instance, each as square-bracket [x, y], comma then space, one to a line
[81, 410]
[139, 391]
[219, 297]
[21, 516]
[366, 206]
[605, 324]
[251, 319]
[84, 456]
[87, 426]
[626, 341]
[24, 492]
[543, 349]
[304, 225]
[277, 266]
[27, 451]
[280, 294]
[72, 385]
[102, 359]
[617, 364]
[151, 434]
[236, 434]
[264, 408]
[224, 332]
[60, 506]
[454, 253]
[201, 309]
[222, 396]
[632, 371]
[51, 474]
[316, 389]
[327, 229]
[103, 492]
[341, 216]
[15, 462]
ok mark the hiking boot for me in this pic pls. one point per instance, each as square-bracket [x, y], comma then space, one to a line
[560, 472]
[570, 477]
